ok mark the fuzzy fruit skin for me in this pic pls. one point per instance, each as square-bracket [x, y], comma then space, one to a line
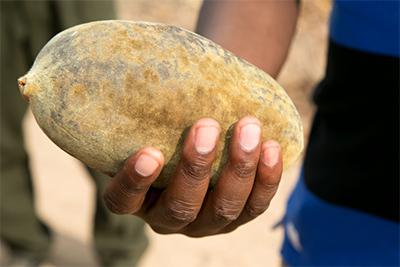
[103, 90]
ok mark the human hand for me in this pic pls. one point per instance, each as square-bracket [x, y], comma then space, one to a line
[245, 187]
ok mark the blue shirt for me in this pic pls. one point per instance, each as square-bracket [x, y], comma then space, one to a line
[322, 233]
[371, 26]
[319, 233]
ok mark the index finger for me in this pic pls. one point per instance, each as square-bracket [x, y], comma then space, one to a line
[127, 190]
[181, 201]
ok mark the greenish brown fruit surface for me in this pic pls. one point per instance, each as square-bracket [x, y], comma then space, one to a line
[105, 89]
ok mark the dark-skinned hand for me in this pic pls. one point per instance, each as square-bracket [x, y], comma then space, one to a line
[244, 189]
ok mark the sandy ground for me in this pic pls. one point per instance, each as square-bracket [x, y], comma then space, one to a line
[65, 193]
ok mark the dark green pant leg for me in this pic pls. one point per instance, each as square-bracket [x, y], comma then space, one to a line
[19, 226]
[120, 240]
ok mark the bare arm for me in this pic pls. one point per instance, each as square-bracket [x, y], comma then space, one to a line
[259, 31]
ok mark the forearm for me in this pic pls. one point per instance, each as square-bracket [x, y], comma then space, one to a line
[258, 31]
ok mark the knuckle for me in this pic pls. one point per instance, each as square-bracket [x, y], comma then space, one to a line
[254, 211]
[226, 213]
[225, 216]
[132, 184]
[180, 213]
[196, 170]
[270, 188]
[112, 204]
[130, 188]
[244, 169]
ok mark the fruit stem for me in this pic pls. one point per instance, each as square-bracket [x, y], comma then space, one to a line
[21, 85]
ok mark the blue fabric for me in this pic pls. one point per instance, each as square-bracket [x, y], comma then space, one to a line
[369, 25]
[331, 235]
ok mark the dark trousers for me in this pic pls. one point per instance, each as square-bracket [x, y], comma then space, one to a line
[25, 27]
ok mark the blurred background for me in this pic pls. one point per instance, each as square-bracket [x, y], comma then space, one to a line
[64, 192]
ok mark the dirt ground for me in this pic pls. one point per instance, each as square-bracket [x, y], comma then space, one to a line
[65, 194]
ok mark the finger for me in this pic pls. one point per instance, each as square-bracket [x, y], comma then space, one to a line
[126, 191]
[236, 180]
[265, 185]
[180, 203]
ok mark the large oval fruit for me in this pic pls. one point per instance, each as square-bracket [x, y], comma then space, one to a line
[104, 89]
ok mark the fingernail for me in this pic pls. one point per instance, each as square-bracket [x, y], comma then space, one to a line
[270, 155]
[206, 139]
[146, 165]
[249, 137]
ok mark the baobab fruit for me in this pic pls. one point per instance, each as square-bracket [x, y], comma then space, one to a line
[103, 90]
